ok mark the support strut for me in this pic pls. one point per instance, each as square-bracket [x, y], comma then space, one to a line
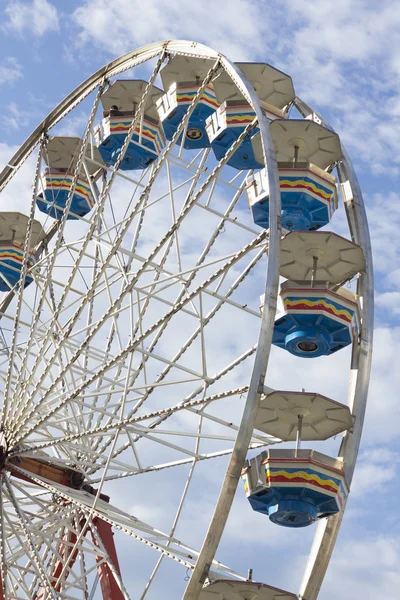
[70, 539]
[108, 583]
[109, 572]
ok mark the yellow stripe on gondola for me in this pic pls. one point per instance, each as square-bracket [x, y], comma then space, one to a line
[313, 303]
[239, 118]
[188, 96]
[306, 476]
[146, 131]
[307, 184]
[66, 184]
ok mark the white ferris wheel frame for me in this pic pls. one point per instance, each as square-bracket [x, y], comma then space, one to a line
[327, 529]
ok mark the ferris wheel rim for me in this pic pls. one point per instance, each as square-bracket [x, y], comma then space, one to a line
[247, 92]
[114, 67]
[325, 538]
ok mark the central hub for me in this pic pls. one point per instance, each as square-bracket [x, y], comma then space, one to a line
[24, 463]
[43, 466]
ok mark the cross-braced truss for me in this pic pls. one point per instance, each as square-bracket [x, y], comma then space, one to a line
[127, 355]
[128, 361]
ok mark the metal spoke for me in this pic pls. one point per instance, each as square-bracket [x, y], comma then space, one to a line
[135, 343]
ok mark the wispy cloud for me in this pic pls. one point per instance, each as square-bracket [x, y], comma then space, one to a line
[15, 117]
[364, 568]
[36, 17]
[341, 60]
[133, 23]
[10, 70]
[376, 467]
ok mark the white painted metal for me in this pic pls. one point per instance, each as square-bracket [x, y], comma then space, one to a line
[108, 365]
[62, 153]
[235, 590]
[305, 141]
[323, 255]
[127, 287]
[321, 417]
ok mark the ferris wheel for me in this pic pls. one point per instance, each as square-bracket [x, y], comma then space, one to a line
[134, 343]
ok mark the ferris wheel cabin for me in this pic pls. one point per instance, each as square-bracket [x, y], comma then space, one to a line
[294, 488]
[317, 317]
[13, 229]
[314, 319]
[120, 102]
[224, 127]
[230, 589]
[305, 153]
[182, 78]
[61, 157]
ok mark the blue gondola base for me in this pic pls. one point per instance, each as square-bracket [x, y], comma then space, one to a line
[144, 148]
[308, 195]
[56, 188]
[315, 321]
[13, 229]
[228, 122]
[295, 489]
[11, 259]
[173, 106]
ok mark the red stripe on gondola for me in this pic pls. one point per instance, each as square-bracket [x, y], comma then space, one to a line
[301, 306]
[152, 137]
[282, 479]
[305, 187]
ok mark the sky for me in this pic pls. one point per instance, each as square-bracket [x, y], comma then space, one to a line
[345, 61]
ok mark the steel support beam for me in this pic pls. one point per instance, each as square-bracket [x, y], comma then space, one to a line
[109, 586]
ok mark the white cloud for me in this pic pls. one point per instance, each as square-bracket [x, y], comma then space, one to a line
[376, 467]
[18, 192]
[366, 568]
[37, 17]
[342, 61]
[10, 70]
[321, 32]
[389, 301]
[383, 211]
[16, 117]
[383, 410]
[229, 25]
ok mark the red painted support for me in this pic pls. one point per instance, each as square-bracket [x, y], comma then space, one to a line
[109, 586]
[71, 478]
[64, 549]
[1, 589]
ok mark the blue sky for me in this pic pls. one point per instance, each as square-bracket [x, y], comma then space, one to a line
[344, 59]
